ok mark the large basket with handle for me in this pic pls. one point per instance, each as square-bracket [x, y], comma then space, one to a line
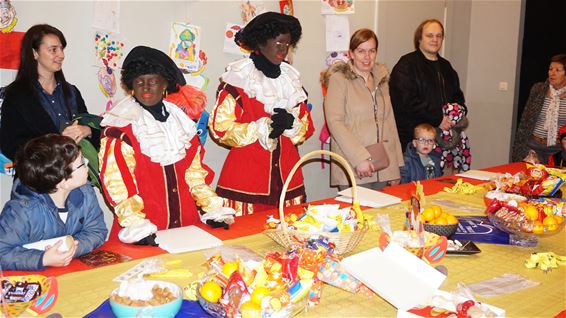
[344, 241]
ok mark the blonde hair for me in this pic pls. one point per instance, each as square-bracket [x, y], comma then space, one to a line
[424, 127]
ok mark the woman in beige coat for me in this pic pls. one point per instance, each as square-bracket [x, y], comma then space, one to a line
[358, 114]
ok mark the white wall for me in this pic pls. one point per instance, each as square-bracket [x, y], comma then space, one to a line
[481, 43]
[492, 58]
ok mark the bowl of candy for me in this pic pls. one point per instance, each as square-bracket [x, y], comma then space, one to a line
[527, 221]
[279, 284]
[25, 292]
[146, 298]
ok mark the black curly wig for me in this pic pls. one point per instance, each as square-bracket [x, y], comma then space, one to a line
[267, 26]
[143, 60]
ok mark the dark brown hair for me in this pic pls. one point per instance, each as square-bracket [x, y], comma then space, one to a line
[361, 36]
[559, 58]
[45, 161]
[27, 71]
[419, 31]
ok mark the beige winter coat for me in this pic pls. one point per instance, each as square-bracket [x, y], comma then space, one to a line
[349, 111]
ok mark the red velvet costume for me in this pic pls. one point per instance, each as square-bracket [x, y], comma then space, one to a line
[256, 166]
[137, 187]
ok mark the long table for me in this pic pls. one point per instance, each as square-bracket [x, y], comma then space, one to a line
[82, 291]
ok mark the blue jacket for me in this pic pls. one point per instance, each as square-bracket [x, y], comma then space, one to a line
[414, 169]
[30, 216]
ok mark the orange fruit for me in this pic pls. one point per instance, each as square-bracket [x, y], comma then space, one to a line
[249, 309]
[229, 268]
[550, 223]
[427, 215]
[437, 211]
[538, 228]
[531, 212]
[559, 219]
[440, 220]
[450, 219]
[211, 291]
[258, 294]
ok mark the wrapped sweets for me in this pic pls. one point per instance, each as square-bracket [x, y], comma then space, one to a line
[22, 291]
[537, 181]
[323, 218]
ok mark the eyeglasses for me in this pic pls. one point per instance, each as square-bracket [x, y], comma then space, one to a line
[84, 162]
[424, 141]
[281, 45]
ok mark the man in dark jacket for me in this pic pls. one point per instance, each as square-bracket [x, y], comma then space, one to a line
[422, 82]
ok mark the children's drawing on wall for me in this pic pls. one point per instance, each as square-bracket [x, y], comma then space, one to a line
[184, 46]
[336, 56]
[106, 15]
[337, 32]
[109, 50]
[337, 6]
[107, 84]
[250, 9]
[8, 17]
[229, 45]
[286, 7]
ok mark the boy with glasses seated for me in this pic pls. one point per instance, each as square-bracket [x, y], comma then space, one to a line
[50, 199]
[420, 161]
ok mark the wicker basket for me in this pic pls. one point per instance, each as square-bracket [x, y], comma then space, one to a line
[344, 241]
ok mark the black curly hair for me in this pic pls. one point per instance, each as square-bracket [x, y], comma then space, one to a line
[143, 60]
[139, 68]
[45, 161]
[267, 26]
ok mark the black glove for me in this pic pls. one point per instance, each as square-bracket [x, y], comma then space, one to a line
[215, 224]
[148, 240]
[281, 120]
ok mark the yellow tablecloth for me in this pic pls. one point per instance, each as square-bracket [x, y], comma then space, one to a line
[82, 292]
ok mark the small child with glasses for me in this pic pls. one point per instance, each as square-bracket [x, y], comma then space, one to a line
[51, 198]
[420, 161]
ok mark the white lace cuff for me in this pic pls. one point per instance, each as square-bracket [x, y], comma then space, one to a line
[263, 131]
[137, 231]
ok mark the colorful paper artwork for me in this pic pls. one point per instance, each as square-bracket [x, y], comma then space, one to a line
[229, 45]
[109, 49]
[336, 56]
[286, 7]
[337, 6]
[107, 84]
[8, 17]
[250, 9]
[184, 46]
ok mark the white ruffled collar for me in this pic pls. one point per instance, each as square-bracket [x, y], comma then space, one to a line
[163, 142]
[284, 91]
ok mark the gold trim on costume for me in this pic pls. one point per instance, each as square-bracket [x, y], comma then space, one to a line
[128, 209]
[202, 193]
[224, 120]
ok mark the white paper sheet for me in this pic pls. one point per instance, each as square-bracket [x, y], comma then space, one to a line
[106, 15]
[478, 175]
[186, 239]
[41, 245]
[395, 274]
[368, 197]
[337, 33]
